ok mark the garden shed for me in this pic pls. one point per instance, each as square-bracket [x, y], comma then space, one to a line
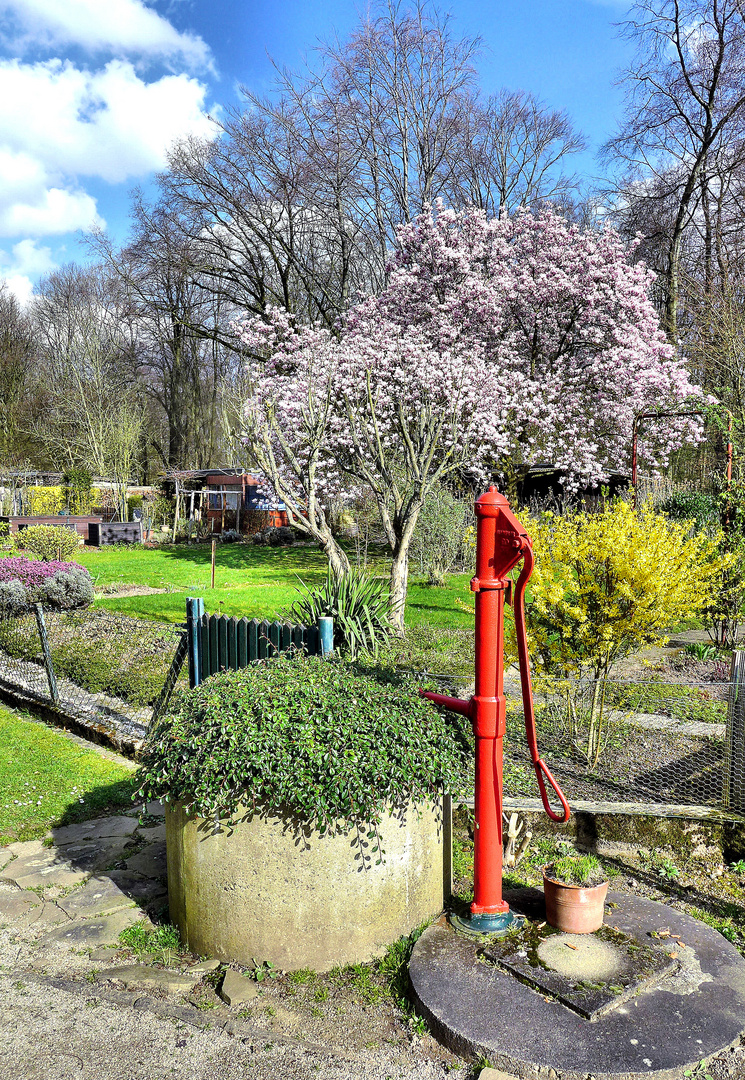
[224, 498]
[544, 484]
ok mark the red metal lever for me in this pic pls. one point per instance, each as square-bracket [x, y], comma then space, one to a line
[541, 769]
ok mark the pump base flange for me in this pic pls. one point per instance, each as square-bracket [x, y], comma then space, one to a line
[476, 926]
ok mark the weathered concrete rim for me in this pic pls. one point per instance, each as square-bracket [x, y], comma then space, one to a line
[273, 887]
[477, 1010]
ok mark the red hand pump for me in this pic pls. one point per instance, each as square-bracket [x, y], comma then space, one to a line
[501, 542]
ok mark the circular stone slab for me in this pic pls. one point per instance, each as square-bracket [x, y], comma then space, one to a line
[479, 1009]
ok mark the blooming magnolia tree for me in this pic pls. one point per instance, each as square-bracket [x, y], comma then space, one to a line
[496, 344]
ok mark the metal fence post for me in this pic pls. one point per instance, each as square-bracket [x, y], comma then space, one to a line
[326, 629]
[194, 612]
[734, 765]
[46, 652]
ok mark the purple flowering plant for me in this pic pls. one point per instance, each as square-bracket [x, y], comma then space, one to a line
[31, 572]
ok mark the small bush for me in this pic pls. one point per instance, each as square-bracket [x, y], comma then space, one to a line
[68, 589]
[324, 740]
[62, 585]
[13, 599]
[695, 506]
[50, 542]
[443, 538]
[358, 604]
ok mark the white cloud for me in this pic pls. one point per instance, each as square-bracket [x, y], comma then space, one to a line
[108, 124]
[65, 123]
[25, 262]
[120, 27]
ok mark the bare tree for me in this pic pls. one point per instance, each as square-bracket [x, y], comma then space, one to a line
[19, 390]
[180, 357]
[94, 417]
[511, 154]
[685, 111]
[296, 203]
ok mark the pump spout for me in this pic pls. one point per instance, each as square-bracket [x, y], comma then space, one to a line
[465, 708]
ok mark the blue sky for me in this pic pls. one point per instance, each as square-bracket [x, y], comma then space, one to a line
[92, 92]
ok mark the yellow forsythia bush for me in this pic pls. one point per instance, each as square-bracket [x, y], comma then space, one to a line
[604, 586]
[46, 500]
[608, 584]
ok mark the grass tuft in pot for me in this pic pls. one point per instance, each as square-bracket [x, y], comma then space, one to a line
[583, 871]
[328, 741]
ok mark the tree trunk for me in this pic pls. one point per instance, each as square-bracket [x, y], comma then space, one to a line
[337, 558]
[399, 583]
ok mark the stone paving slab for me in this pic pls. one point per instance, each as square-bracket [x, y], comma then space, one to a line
[22, 848]
[153, 835]
[43, 869]
[96, 829]
[137, 886]
[44, 917]
[99, 896]
[150, 862]
[153, 978]
[18, 902]
[93, 855]
[95, 932]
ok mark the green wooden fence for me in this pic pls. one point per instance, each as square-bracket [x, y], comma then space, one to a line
[225, 643]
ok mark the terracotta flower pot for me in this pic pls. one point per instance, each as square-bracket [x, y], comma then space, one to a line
[575, 909]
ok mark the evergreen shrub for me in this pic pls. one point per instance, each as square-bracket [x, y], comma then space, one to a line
[325, 740]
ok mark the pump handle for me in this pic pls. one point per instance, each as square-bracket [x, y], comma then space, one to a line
[541, 769]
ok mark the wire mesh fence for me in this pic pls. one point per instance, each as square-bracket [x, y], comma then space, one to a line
[110, 672]
[644, 742]
[633, 742]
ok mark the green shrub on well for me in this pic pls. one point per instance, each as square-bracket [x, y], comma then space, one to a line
[50, 542]
[326, 741]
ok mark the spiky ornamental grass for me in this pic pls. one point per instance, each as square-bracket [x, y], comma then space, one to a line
[328, 741]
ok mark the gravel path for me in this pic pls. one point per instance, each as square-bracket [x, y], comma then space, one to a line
[76, 1005]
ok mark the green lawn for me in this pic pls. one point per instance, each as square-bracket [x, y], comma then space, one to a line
[253, 581]
[48, 780]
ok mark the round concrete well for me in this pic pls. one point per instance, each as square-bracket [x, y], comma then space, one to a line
[274, 889]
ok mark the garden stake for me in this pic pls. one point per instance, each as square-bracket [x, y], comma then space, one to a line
[501, 542]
